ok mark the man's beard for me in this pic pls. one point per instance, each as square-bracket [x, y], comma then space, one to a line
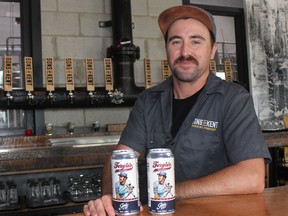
[187, 77]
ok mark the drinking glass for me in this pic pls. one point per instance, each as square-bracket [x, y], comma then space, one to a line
[12, 194]
[3, 195]
[46, 193]
[34, 193]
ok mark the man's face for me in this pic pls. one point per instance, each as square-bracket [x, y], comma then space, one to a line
[189, 49]
[161, 179]
[122, 180]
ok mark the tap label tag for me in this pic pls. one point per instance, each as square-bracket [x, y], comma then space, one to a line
[50, 74]
[165, 69]
[213, 66]
[147, 71]
[28, 70]
[108, 72]
[89, 67]
[228, 71]
[69, 74]
[7, 73]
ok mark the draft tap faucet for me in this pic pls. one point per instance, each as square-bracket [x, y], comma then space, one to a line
[30, 96]
[51, 96]
[71, 96]
[9, 97]
[91, 96]
[116, 96]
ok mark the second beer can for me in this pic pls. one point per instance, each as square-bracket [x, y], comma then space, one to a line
[161, 181]
[125, 183]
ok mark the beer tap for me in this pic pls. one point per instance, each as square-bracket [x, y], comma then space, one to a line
[91, 96]
[30, 96]
[8, 78]
[51, 96]
[89, 67]
[9, 97]
[116, 96]
[69, 78]
[50, 78]
[29, 83]
[71, 96]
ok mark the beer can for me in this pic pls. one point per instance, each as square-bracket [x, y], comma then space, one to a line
[161, 181]
[125, 182]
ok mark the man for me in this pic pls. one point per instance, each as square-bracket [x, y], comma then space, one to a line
[209, 124]
[121, 187]
[161, 188]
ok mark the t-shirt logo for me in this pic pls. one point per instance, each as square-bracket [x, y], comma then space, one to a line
[205, 124]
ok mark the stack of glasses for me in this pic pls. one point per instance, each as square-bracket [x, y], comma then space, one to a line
[84, 187]
[44, 192]
[8, 196]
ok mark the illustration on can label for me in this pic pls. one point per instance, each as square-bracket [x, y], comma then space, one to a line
[125, 186]
[161, 185]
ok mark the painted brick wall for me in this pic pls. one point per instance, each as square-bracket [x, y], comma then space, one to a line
[70, 29]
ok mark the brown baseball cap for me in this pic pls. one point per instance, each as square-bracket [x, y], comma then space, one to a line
[169, 16]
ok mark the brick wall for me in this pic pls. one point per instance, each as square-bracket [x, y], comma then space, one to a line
[70, 29]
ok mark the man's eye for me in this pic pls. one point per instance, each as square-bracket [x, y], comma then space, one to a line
[195, 42]
[176, 42]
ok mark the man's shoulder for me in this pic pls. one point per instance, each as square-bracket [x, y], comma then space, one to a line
[157, 90]
[166, 85]
[216, 84]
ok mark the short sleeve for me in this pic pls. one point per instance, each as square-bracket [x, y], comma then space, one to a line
[134, 134]
[242, 132]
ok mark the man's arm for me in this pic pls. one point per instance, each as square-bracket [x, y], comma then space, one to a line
[242, 178]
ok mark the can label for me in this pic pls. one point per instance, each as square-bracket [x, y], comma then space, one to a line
[161, 185]
[125, 186]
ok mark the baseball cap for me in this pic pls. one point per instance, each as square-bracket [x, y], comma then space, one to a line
[169, 16]
[123, 174]
[162, 173]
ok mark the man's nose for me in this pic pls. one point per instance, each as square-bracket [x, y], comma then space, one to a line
[185, 49]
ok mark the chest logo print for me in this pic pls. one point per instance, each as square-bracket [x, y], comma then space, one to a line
[204, 124]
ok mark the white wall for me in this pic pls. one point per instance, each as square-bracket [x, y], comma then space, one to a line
[70, 29]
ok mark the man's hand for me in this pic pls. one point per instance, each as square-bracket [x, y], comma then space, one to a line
[100, 206]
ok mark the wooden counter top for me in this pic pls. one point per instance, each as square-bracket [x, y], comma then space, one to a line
[272, 202]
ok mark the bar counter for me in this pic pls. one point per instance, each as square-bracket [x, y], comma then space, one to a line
[23, 158]
[37, 153]
[272, 202]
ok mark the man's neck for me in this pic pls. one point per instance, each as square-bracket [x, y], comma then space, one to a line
[184, 90]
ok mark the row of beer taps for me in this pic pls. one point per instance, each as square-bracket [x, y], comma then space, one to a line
[115, 96]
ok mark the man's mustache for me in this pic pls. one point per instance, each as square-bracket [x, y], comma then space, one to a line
[186, 58]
